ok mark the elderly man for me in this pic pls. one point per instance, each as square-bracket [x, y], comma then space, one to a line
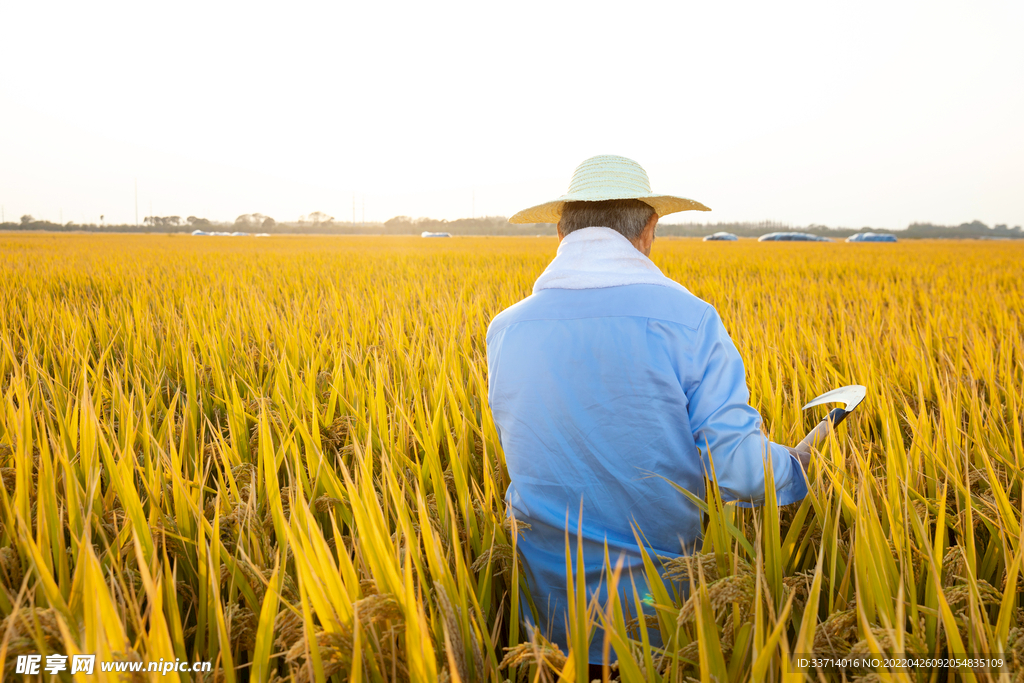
[611, 373]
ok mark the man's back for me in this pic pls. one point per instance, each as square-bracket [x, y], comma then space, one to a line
[597, 394]
[589, 403]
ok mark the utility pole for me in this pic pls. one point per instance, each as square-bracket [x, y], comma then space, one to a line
[474, 204]
[136, 202]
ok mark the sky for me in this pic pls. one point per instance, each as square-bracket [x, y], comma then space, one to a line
[845, 114]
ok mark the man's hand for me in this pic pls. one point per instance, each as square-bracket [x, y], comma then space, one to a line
[803, 454]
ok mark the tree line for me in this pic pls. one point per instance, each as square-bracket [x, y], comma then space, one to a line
[321, 223]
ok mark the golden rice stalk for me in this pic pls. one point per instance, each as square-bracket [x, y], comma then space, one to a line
[320, 405]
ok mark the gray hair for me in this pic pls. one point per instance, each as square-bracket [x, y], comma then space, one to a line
[626, 216]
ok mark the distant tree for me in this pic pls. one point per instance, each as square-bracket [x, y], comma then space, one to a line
[162, 221]
[398, 223]
[252, 220]
[26, 219]
[318, 217]
[268, 223]
[197, 222]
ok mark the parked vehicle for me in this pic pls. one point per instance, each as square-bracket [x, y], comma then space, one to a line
[792, 237]
[721, 237]
[871, 237]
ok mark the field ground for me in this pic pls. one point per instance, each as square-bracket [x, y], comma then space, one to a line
[276, 455]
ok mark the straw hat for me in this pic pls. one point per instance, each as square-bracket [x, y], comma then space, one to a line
[607, 177]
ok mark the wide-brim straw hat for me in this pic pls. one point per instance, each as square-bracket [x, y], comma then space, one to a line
[607, 177]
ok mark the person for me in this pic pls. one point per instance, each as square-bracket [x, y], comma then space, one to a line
[610, 381]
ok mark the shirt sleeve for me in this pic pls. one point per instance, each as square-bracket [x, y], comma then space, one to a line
[727, 429]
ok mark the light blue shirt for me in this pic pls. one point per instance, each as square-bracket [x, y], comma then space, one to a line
[595, 390]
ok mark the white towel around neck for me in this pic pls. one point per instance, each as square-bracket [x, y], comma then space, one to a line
[593, 258]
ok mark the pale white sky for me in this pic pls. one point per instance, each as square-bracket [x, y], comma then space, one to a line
[853, 114]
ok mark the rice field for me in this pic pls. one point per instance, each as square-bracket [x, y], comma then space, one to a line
[277, 456]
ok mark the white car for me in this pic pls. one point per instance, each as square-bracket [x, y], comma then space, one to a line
[792, 237]
[871, 237]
